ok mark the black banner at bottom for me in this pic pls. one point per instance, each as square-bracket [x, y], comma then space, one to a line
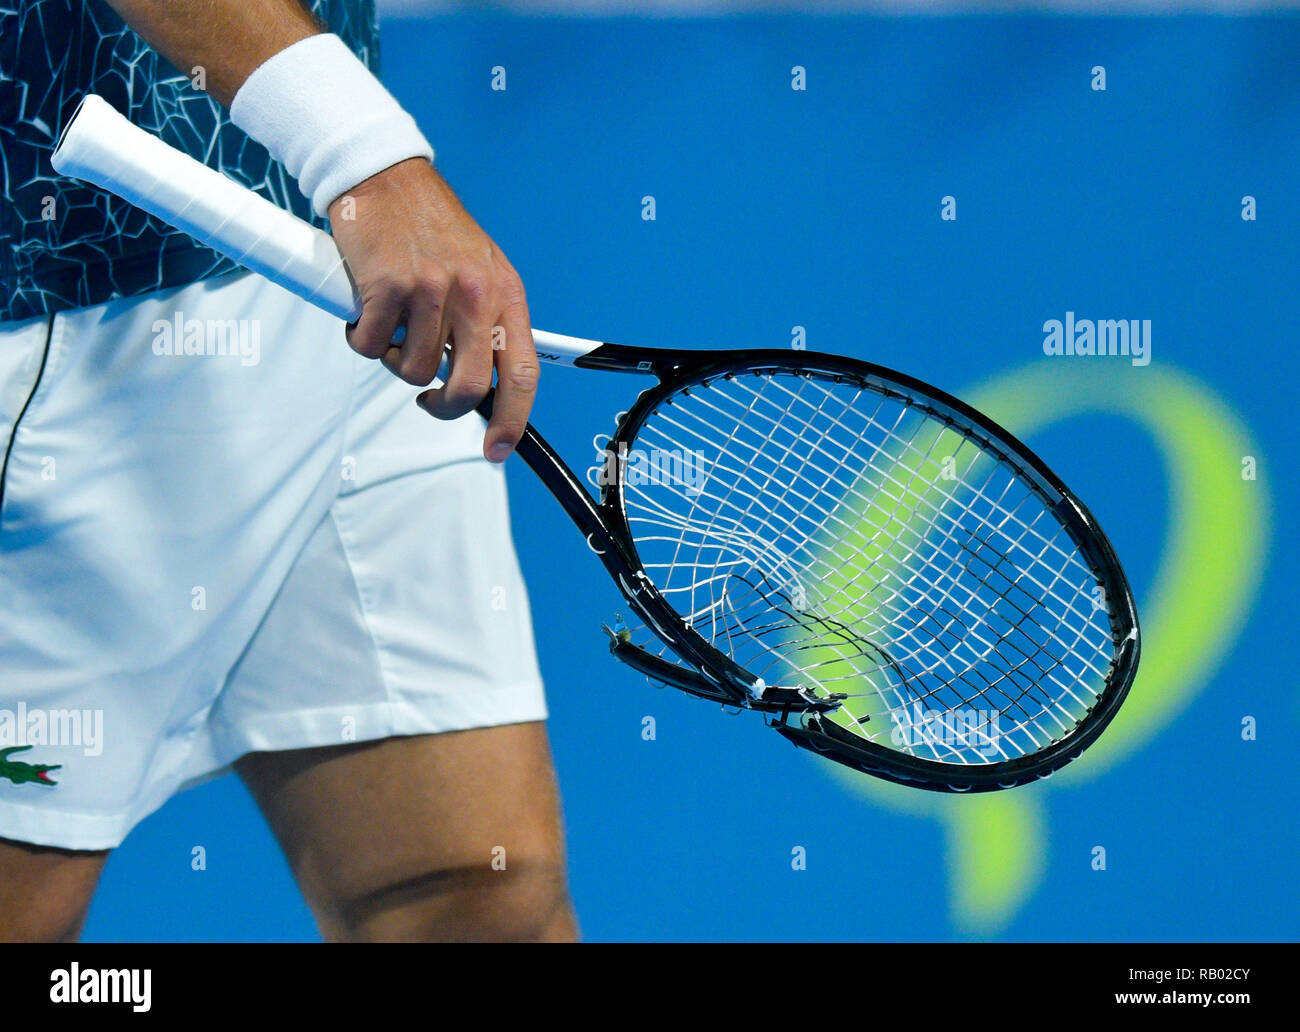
[140, 982]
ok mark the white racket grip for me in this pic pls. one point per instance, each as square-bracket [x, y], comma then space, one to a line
[103, 147]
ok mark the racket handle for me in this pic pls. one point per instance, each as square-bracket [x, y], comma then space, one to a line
[103, 147]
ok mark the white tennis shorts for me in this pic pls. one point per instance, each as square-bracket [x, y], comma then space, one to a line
[221, 531]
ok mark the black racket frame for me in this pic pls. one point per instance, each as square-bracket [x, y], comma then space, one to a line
[795, 714]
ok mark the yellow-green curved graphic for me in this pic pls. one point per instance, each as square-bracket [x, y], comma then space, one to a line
[1204, 586]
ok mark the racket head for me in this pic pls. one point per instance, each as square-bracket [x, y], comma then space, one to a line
[981, 626]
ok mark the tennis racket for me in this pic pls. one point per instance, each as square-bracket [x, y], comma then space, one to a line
[894, 581]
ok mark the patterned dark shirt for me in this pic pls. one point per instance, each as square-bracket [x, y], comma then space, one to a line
[64, 244]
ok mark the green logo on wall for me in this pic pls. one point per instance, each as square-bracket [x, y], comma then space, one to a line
[1209, 571]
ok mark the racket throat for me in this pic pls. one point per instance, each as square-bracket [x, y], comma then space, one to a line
[796, 698]
[672, 674]
[754, 694]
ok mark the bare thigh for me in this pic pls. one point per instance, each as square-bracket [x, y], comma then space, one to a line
[45, 892]
[454, 836]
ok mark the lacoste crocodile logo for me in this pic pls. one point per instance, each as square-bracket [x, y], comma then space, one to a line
[19, 772]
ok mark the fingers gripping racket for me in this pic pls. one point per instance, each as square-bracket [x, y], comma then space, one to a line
[892, 579]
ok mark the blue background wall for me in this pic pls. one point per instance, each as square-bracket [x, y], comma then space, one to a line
[820, 208]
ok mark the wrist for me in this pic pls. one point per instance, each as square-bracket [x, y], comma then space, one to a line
[321, 112]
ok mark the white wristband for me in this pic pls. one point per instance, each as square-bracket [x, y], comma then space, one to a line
[321, 112]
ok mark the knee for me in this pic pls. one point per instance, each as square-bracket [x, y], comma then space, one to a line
[48, 924]
[525, 902]
[45, 892]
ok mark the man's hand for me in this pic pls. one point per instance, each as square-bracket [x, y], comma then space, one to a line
[421, 261]
[417, 256]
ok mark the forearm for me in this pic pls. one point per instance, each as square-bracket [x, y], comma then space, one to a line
[228, 39]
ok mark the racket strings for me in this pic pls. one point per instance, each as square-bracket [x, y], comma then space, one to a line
[950, 614]
[844, 540]
[746, 514]
[883, 488]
